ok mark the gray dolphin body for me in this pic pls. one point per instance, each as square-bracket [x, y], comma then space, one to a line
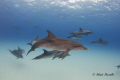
[55, 43]
[48, 54]
[82, 32]
[118, 66]
[16, 54]
[100, 41]
[75, 36]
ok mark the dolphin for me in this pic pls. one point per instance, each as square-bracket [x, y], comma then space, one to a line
[75, 36]
[82, 32]
[55, 43]
[20, 51]
[15, 53]
[48, 54]
[100, 41]
[118, 66]
[34, 41]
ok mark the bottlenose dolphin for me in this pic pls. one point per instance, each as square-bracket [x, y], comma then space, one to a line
[100, 41]
[48, 54]
[34, 41]
[82, 32]
[55, 43]
[75, 36]
[15, 53]
[118, 66]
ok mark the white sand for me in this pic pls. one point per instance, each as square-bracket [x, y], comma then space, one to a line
[79, 66]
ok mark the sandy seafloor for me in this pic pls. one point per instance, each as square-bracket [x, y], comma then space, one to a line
[18, 21]
[81, 65]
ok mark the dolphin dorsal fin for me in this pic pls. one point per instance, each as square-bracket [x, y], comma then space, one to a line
[18, 47]
[50, 34]
[100, 39]
[37, 37]
[81, 29]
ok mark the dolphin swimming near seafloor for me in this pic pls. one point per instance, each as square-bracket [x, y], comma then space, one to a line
[16, 54]
[48, 54]
[100, 41]
[55, 43]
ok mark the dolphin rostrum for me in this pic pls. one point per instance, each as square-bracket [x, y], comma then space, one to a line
[55, 43]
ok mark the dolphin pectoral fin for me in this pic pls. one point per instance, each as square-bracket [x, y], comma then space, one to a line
[64, 53]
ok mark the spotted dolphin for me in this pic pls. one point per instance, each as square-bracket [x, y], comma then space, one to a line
[55, 43]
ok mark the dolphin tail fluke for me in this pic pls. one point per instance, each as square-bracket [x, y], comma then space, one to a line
[29, 51]
[29, 44]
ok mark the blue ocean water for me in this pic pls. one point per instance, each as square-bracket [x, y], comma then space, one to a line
[22, 20]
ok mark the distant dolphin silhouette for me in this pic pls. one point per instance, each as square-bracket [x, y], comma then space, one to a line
[118, 66]
[100, 41]
[75, 36]
[82, 32]
[16, 54]
[55, 43]
[47, 54]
